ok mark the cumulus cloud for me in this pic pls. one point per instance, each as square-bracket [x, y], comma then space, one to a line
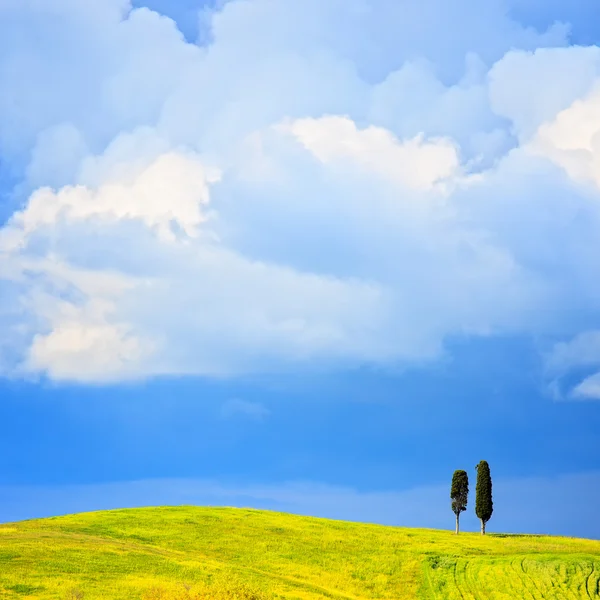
[220, 312]
[167, 194]
[530, 88]
[329, 184]
[415, 164]
[572, 139]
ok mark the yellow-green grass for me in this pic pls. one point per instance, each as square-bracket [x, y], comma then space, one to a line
[134, 554]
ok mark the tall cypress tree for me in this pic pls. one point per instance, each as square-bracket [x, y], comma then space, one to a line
[459, 493]
[484, 507]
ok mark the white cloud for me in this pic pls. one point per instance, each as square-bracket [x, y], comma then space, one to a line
[79, 351]
[97, 67]
[412, 100]
[164, 195]
[583, 350]
[327, 185]
[572, 138]
[73, 332]
[207, 309]
[530, 88]
[580, 353]
[377, 36]
[201, 309]
[588, 389]
[416, 163]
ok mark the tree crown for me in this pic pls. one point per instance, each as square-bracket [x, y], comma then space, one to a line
[459, 492]
[484, 507]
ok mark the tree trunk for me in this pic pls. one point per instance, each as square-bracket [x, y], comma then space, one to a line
[456, 525]
[482, 527]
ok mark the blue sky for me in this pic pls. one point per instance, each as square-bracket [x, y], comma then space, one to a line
[302, 256]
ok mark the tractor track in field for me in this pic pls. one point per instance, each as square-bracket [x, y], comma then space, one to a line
[456, 583]
[562, 582]
[469, 580]
[552, 585]
[587, 581]
[565, 590]
[525, 578]
[469, 588]
[511, 580]
[593, 576]
[581, 582]
[431, 591]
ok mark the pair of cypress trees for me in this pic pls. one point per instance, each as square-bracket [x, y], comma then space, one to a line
[459, 493]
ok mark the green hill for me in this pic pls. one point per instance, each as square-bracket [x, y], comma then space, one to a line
[189, 552]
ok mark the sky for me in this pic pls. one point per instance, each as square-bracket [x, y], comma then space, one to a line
[303, 256]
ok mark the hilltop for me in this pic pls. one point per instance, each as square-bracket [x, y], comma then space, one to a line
[171, 552]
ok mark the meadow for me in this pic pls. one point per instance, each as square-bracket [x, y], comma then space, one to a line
[187, 553]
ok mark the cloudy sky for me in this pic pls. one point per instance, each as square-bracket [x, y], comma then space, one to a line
[310, 256]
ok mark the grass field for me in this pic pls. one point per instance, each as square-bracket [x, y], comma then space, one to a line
[189, 552]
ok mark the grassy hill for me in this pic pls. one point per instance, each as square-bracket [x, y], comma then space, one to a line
[189, 552]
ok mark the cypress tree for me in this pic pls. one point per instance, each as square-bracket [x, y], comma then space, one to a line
[484, 507]
[459, 493]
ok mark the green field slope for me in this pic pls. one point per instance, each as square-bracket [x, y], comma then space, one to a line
[187, 552]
